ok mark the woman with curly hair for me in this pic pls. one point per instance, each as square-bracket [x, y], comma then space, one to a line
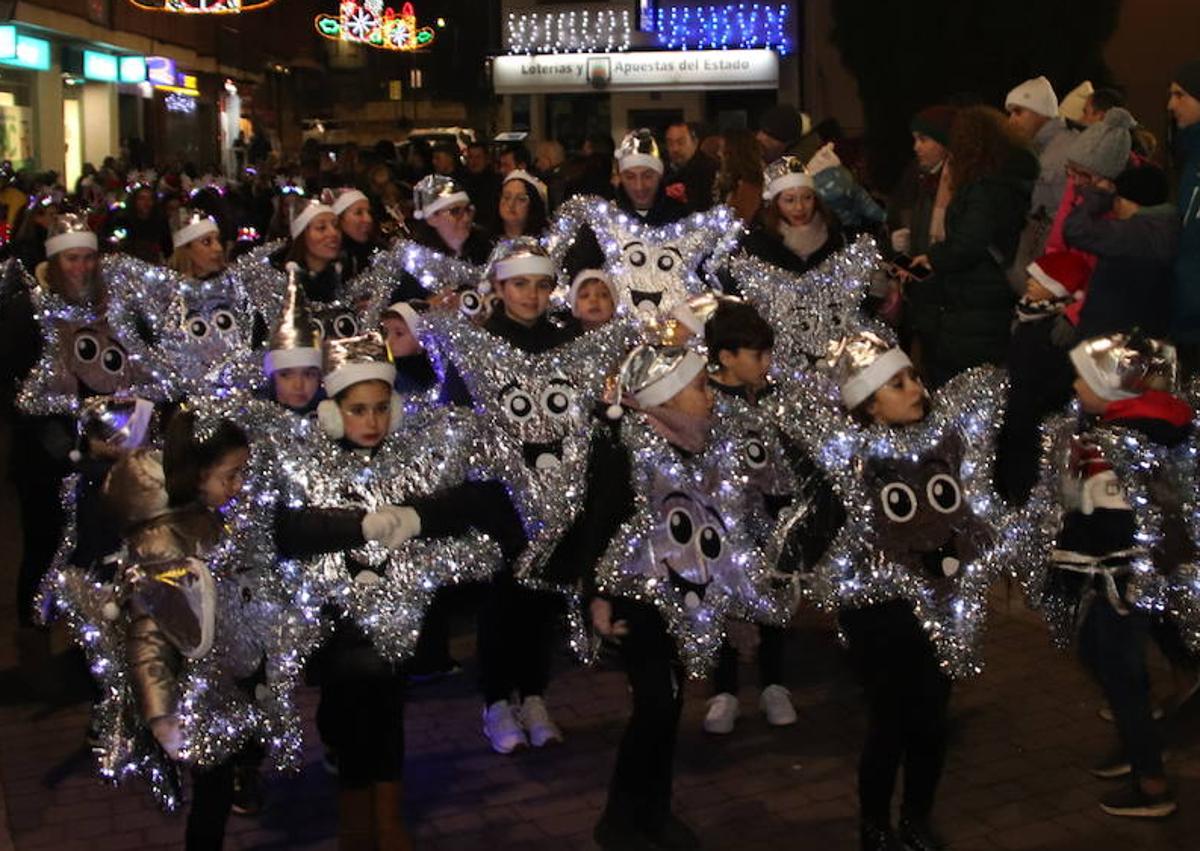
[739, 182]
[962, 311]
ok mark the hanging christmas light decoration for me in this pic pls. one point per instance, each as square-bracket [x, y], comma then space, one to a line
[732, 26]
[372, 24]
[203, 7]
[595, 31]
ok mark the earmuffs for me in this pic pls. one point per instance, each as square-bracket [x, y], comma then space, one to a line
[329, 416]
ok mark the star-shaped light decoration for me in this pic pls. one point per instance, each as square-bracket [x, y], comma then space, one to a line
[687, 549]
[389, 592]
[433, 270]
[924, 522]
[653, 268]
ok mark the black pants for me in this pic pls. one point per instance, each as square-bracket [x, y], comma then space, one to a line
[361, 712]
[37, 478]
[212, 799]
[770, 661]
[515, 640]
[1113, 647]
[639, 793]
[907, 696]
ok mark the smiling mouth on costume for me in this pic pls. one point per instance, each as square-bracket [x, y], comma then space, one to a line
[691, 592]
[640, 297]
[942, 562]
[542, 456]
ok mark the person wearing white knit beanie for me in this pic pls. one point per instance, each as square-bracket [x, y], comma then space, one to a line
[1032, 109]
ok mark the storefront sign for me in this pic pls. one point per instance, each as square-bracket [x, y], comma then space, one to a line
[160, 70]
[133, 69]
[23, 51]
[648, 71]
[98, 66]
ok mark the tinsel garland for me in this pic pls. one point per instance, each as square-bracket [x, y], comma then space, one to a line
[923, 521]
[809, 311]
[80, 354]
[687, 550]
[652, 268]
[433, 270]
[392, 589]
[535, 417]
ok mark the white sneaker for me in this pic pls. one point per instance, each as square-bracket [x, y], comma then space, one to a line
[502, 729]
[776, 704]
[536, 721]
[722, 712]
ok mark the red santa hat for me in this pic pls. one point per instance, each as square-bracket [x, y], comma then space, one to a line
[1064, 273]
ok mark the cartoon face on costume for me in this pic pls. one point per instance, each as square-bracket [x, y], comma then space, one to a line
[653, 277]
[540, 413]
[211, 328]
[921, 514]
[91, 361]
[335, 321]
[689, 540]
[820, 319]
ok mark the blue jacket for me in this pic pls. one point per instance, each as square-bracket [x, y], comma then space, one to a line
[1187, 267]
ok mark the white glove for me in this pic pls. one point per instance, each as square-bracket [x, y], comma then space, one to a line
[901, 240]
[168, 734]
[391, 525]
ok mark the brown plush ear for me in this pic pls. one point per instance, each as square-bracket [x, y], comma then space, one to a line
[951, 448]
[64, 380]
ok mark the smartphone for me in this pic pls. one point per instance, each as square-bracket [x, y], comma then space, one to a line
[904, 263]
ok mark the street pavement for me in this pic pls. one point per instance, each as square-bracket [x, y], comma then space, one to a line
[1023, 734]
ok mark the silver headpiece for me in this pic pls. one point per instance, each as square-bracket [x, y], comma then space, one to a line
[1122, 366]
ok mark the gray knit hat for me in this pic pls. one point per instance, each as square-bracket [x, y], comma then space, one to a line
[1103, 148]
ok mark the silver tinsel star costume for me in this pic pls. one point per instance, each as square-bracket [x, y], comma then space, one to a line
[198, 327]
[388, 596]
[923, 521]
[238, 685]
[653, 268]
[433, 270]
[687, 549]
[81, 355]
[809, 311]
[536, 419]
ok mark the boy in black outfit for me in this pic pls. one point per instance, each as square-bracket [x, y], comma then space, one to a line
[739, 344]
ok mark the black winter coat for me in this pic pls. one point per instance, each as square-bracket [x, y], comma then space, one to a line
[961, 314]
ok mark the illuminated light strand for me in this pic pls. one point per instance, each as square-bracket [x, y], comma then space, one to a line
[733, 26]
[371, 24]
[204, 7]
[568, 32]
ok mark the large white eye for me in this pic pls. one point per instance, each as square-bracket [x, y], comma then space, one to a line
[197, 327]
[87, 348]
[710, 542]
[681, 526]
[517, 404]
[557, 399]
[899, 502]
[113, 360]
[944, 493]
[666, 262]
[223, 320]
[637, 258]
[755, 453]
[470, 303]
[345, 325]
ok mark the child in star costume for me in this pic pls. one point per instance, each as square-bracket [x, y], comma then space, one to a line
[1124, 382]
[907, 692]
[739, 343]
[670, 386]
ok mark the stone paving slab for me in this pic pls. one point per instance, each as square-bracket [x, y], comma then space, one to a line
[1023, 735]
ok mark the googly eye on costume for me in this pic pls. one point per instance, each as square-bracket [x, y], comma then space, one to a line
[944, 493]
[517, 405]
[87, 348]
[899, 502]
[557, 399]
[113, 360]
